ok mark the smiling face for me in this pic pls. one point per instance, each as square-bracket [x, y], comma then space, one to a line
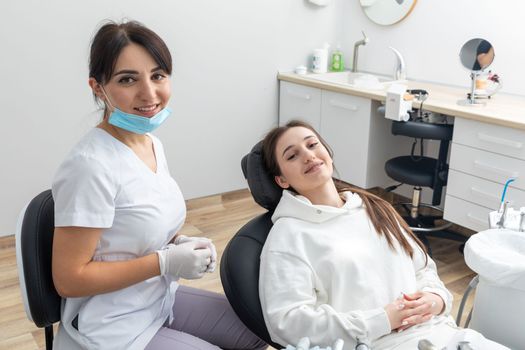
[304, 162]
[138, 85]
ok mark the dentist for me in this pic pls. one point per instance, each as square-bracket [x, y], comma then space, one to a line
[116, 253]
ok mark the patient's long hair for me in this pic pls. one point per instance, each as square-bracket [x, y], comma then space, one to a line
[385, 219]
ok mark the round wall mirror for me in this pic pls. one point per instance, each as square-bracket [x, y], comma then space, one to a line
[387, 12]
[476, 54]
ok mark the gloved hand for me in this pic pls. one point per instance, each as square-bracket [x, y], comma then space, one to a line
[213, 264]
[188, 260]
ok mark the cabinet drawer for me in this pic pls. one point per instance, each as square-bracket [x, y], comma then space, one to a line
[490, 137]
[345, 125]
[466, 214]
[299, 102]
[487, 165]
[482, 192]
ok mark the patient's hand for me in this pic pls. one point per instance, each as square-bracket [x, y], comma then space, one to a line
[420, 307]
[411, 309]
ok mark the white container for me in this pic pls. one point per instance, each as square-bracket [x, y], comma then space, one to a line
[320, 60]
[498, 256]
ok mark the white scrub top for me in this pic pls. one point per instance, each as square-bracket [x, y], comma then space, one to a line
[103, 184]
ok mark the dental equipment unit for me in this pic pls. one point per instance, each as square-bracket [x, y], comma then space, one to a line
[505, 216]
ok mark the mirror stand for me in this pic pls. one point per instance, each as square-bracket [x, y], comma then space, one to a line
[471, 97]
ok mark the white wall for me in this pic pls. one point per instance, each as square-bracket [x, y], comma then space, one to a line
[225, 92]
[432, 35]
[226, 57]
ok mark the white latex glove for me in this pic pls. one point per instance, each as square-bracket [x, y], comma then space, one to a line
[188, 260]
[213, 264]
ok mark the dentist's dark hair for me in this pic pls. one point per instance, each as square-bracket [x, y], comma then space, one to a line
[385, 219]
[112, 37]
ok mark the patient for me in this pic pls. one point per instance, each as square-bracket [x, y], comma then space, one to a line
[340, 262]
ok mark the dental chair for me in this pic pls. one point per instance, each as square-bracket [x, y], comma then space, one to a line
[34, 243]
[422, 171]
[240, 260]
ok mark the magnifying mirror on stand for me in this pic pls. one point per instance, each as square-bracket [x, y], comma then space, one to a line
[476, 55]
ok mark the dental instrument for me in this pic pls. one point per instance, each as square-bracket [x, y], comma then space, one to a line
[464, 345]
[361, 346]
[304, 344]
[425, 344]
[501, 221]
[505, 191]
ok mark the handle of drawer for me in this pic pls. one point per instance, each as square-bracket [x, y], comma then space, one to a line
[350, 107]
[500, 141]
[504, 172]
[481, 193]
[490, 196]
[298, 94]
[478, 220]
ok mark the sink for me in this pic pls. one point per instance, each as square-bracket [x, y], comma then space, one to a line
[354, 79]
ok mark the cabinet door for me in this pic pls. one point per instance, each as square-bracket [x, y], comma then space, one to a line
[299, 102]
[345, 125]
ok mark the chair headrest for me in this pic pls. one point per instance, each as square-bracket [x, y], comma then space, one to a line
[262, 185]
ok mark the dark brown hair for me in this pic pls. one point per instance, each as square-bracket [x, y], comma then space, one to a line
[385, 219]
[112, 37]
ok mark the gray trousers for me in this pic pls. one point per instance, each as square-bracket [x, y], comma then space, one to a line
[204, 321]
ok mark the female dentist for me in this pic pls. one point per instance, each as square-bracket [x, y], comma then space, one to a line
[116, 255]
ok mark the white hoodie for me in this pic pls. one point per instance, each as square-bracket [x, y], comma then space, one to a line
[326, 274]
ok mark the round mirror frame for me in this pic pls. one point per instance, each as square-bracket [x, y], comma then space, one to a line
[476, 54]
[387, 12]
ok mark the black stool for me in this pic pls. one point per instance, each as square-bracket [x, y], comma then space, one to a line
[421, 171]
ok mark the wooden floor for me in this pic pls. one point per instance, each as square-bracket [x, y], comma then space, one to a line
[217, 217]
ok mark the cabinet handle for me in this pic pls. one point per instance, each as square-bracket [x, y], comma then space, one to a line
[500, 141]
[298, 94]
[478, 220]
[506, 173]
[481, 193]
[350, 107]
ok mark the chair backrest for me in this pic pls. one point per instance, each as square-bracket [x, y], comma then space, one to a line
[34, 243]
[263, 187]
[241, 258]
[430, 131]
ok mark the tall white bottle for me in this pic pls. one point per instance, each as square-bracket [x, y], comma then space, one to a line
[320, 59]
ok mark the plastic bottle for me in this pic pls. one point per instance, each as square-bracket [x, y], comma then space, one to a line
[337, 64]
[320, 60]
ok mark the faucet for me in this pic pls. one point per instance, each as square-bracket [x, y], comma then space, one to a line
[400, 72]
[364, 41]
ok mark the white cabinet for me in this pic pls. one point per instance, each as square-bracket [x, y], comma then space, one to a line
[483, 157]
[358, 135]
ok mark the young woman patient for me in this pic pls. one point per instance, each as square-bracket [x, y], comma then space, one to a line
[340, 262]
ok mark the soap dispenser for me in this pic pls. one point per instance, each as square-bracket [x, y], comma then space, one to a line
[337, 64]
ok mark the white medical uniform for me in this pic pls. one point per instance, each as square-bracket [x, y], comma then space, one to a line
[103, 184]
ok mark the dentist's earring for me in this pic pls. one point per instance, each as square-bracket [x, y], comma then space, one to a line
[281, 181]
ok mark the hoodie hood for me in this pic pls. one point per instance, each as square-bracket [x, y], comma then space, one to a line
[299, 207]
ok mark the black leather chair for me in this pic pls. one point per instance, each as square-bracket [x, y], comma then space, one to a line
[240, 260]
[422, 171]
[34, 243]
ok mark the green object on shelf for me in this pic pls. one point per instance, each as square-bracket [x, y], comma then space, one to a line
[337, 64]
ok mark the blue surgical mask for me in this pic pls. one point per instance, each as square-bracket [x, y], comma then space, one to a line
[136, 123]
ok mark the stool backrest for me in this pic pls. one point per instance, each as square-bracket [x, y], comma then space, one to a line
[423, 130]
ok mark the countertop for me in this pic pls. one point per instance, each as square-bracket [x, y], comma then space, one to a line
[500, 109]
